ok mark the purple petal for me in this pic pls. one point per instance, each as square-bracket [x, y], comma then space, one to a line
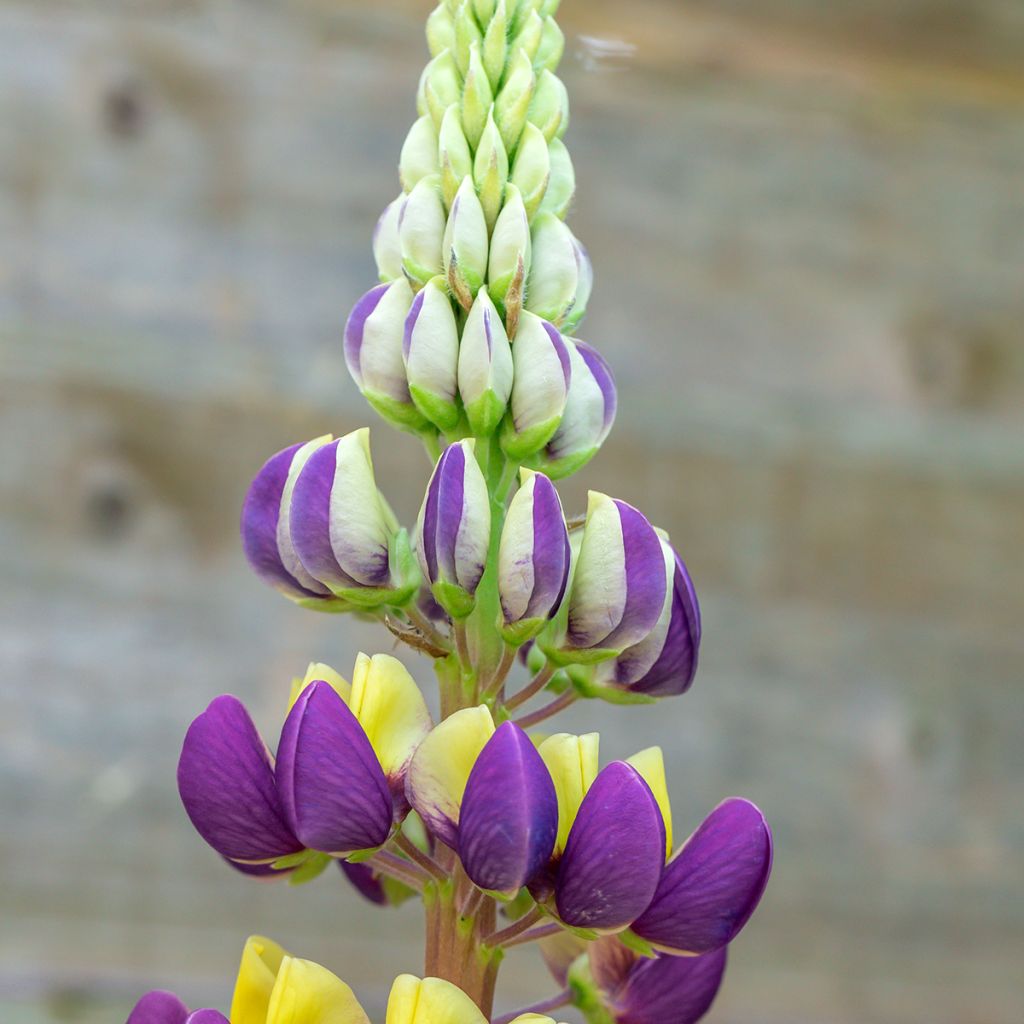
[410, 321]
[158, 1007]
[207, 1017]
[561, 350]
[365, 882]
[260, 514]
[332, 785]
[263, 871]
[713, 883]
[509, 817]
[451, 479]
[614, 854]
[427, 546]
[551, 552]
[605, 381]
[669, 989]
[354, 330]
[226, 782]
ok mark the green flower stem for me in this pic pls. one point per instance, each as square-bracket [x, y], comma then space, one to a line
[402, 871]
[417, 856]
[540, 932]
[549, 710]
[494, 687]
[535, 685]
[554, 1003]
[516, 928]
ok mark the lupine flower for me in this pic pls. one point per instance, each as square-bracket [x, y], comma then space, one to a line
[421, 230]
[540, 387]
[266, 537]
[532, 168]
[588, 417]
[490, 171]
[618, 585]
[419, 153]
[343, 531]
[373, 352]
[440, 87]
[584, 286]
[440, 30]
[453, 153]
[477, 95]
[465, 244]
[158, 1007]
[533, 558]
[551, 47]
[561, 277]
[431, 354]
[562, 183]
[387, 247]
[713, 883]
[467, 34]
[454, 529]
[510, 258]
[495, 45]
[529, 28]
[513, 100]
[485, 367]
[549, 106]
[338, 784]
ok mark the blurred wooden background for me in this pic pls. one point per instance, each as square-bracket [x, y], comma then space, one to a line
[807, 222]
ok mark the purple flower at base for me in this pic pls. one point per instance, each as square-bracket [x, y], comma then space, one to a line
[365, 881]
[207, 1017]
[158, 1007]
[712, 885]
[509, 816]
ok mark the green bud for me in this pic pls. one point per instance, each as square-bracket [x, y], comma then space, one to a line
[467, 32]
[440, 87]
[495, 46]
[431, 353]
[387, 246]
[419, 153]
[584, 286]
[490, 170]
[523, 10]
[440, 31]
[509, 263]
[484, 10]
[529, 34]
[562, 183]
[513, 101]
[485, 367]
[453, 154]
[532, 168]
[554, 274]
[548, 8]
[465, 245]
[476, 98]
[421, 231]
[552, 46]
[549, 108]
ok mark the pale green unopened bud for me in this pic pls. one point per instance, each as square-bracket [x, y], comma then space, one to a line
[440, 87]
[419, 153]
[453, 154]
[549, 108]
[421, 231]
[467, 32]
[529, 35]
[495, 46]
[532, 168]
[584, 286]
[485, 367]
[552, 47]
[476, 98]
[490, 170]
[431, 352]
[509, 263]
[548, 8]
[513, 101]
[484, 10]
[554, 274]
[440, 31]
[523, 9]
[387, 246]
[562, 183]
[465, 245]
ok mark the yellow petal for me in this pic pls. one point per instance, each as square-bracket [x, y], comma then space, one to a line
[650, 763]
[430, 1001]
[440, 768]
[533, 1018]
[261, 960]
[390, 708]
[318, 671]
[573, 763]
[306, 993]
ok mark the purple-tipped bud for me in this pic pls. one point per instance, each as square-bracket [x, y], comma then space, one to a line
[509, 816]
[614, 854]
[343, 531]
[387, 247]
[584, 286]
[533, 558]
[365, 881]
[226, 782]
[421, 229]
[540, 387]
[713, 883]
[266, 538]
[431, 353]
[332, 787]
[158, 1007]
[589, 414]
[560, 274]
[485, 367]
[454, 528]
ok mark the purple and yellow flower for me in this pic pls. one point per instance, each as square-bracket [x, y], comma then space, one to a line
[533, 558]
[453, 531]
[339, 781]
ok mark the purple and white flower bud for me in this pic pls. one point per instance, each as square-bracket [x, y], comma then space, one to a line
[454, 154]
[589, 414]
[266, 537]
[454, 529]
[485, 367]
[532, 168]
[495, 46]
[510, 258]
[533, 558]
[618, 586]
[440, 87]
[552, 46]
[712, 885]
[421, 231]
[540, 387]
[513, 99]
[490, 171]
[465, 245]
[549, 106]
[387, 246]
[419, 153]
[477, 95]
[343, 531]
[373, 352]
[562, 182]
[584, 286]
[440, 30]
[558, 269]
[431, 353]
